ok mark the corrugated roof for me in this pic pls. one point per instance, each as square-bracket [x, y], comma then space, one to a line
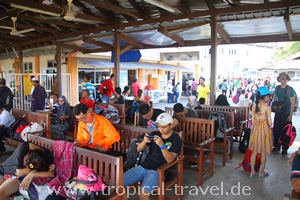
[130, 65]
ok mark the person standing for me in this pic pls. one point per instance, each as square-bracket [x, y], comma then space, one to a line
[107, 89]
[177, 92]
[38, 96]
[170, 92]
[6, 95]
[203, 90]
[6, 119]
[261, 134]
[224, 87]
[88, 85]
[286, 93]
[190, 82]
[54, 88]
[194, 87]
[135, 87]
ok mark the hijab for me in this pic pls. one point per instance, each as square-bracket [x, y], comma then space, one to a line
[222, 100]
[62, 108]
[193, 102]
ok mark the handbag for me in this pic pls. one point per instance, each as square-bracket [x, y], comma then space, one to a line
[279, 106]
[87, 186]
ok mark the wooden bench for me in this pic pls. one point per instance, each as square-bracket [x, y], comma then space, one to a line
[293, 196]
[228, 133]
[199, 145]
[128, 104]
[241, 116]
[110, 168]
[29, 117]
[128, 133]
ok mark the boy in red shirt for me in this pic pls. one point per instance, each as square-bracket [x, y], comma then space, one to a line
[85, 99]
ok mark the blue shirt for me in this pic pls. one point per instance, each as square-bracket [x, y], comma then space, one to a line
[280, 96]
[90, 87]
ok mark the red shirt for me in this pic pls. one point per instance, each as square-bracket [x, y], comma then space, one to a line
[89, 103]
[135, 87]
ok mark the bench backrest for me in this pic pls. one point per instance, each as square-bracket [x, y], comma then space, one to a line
[229, 116]
[169, 110]
[33, 117]
[110, 168]
[196, 130]
[127, 134]
[241, 113]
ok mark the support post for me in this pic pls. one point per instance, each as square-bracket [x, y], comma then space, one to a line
[117, 50]
[21, 83]
[58, 57]
[213, 60]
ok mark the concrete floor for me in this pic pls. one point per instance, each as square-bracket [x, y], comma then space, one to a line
[228, 183]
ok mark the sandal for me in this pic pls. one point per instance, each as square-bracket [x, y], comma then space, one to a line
[252, 176]
[265, 176]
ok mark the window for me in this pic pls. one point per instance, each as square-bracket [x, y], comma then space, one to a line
[51, 64]
[28, 68]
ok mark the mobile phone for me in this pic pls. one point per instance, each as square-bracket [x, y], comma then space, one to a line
[151, 137]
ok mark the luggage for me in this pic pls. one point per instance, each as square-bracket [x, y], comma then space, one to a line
[245, 138]
[246, 162]
[287, 135]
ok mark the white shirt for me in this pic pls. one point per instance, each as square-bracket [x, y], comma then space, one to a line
[245, 102]
[6, 118]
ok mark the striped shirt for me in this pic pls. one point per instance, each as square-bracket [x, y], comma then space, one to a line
[90, 87]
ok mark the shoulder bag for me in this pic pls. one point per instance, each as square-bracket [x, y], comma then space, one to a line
[279, 106]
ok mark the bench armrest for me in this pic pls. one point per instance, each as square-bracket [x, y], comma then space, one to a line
[244, 121]
[166, 166]
[228, 130]
[206, 142]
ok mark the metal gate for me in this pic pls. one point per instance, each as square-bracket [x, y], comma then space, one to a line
[21, 82]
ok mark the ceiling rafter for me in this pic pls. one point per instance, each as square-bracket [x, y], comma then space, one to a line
[98, 50]
[176, 38]
[132, 41]
[127, 48]
[98, 43]
[143, 12]
[288, 24]
[223, 33]
[127, 17]
[38, 6]
[184, 6]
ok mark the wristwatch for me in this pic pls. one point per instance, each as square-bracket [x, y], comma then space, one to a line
[163, 146]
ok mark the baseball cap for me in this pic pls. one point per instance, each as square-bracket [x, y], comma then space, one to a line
[264, 91]
[34, 79]
[164, 119]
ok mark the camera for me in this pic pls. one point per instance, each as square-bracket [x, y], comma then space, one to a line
[151, 137]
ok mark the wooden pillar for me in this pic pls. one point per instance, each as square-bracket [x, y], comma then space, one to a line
[117, 38]
[21, 84]
[37, 64]
[213, 60]
[58, 65]
[196, 72]
[73, 70]
[160, 71]
[140, 77]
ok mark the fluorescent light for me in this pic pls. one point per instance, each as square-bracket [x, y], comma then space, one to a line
[161, 5]
[35, 10]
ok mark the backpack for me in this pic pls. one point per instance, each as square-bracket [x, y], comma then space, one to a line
[174, 89]
[133, 108]
[287, 136]
[220, 123]
[134, 158]
[111, 112]
[7, 98]
[245, 138]
[296, 103]
[246, 162]
[13, 127]
[103, 89]
[220, 86]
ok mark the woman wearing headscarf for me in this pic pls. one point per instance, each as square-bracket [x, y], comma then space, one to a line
[63, 120]
[222, 100]
[192, 102]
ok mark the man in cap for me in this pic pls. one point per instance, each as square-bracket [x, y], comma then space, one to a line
[38, 96]
[164, 146]
[203, 90]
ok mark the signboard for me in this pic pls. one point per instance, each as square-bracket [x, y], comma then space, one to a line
[179, 56]
[128, 56]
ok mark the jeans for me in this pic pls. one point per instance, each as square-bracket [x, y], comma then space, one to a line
[170, 97]
[176, 97]
[137, 174]
[3, 132]
[105, 99]
[279, 124]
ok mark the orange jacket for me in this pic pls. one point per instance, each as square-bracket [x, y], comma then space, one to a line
[104, 133]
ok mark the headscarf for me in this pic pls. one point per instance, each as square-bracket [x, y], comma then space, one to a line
[222, 100]
[62, 108]
[193, 102]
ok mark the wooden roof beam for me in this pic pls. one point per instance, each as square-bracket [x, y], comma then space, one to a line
[223, 33]
[98, 50]
[127, 48]
[113, 8]
[165, 32]
[72, 47]
[99, 44]
[143, 12]
[184, 6]
[132, 41]
[288, 24]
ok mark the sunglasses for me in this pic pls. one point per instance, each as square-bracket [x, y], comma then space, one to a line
[283, 78]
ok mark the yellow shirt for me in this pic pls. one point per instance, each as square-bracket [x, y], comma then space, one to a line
[203, 92]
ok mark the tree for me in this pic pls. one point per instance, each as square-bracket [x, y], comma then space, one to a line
[289, 49]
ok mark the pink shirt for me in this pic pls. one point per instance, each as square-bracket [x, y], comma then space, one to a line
[135, 87]
[194, 85]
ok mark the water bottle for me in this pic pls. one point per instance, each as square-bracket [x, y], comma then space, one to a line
[245, 143]
[7, 100]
